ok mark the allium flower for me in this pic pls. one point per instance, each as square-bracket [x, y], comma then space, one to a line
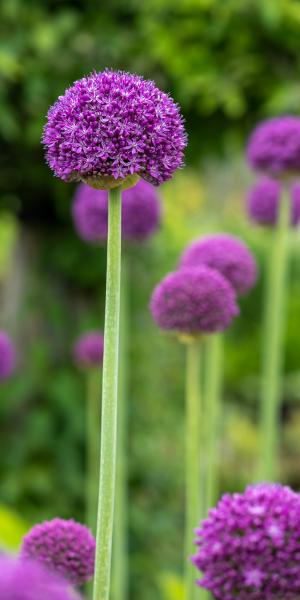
[263, 202]
[140, 212]
[88, 349]
[274, 146]
[27, 580]
[65, 547]
[7, 356]
[249, 546]
[112, 125]
[194, 301]
[226, 254]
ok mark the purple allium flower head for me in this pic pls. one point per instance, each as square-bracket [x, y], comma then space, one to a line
[140, 212]
[274, 146]
[263, 202]
[88, 349]
[226, 254]
[7, 356]
[65, 547]
[112, 125]
[194, 301]
[249, 546]
[27, 580]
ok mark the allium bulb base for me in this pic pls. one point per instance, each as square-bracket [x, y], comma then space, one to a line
[110, 183]
[189, 338]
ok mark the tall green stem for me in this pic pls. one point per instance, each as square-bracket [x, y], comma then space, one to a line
[192, 468]
[275, 308]
[120, 567]
[211, 408]
[109, 402]
[93, 436]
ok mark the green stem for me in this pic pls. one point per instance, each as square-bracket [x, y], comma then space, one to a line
[193, 451]
[275, 308]
[109, 402]
[120, 567]
[212, 408]
[93, 436]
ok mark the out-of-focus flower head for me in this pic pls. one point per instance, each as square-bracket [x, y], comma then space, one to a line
[88, 349]
[63, 546]
[194, 301]
[7, 356]
[226, 254]
[27, 580]
[249, 546]
[263, 202]
[112, 127]
[140, 212]
[274, 146]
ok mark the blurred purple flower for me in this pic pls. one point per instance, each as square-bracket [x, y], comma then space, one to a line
[249, 546]
[111, 125]
[140, 212]
[274, 146]
[263, 202]
[7, 356]
[65, 547]
[88, 349]
[226, 254]
[27, 580]
[194, 301]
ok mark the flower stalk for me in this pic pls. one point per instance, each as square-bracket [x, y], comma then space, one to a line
[275, 309]
[193, 511]
[109, 402]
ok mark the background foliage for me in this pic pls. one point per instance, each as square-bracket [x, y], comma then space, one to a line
[228, 64]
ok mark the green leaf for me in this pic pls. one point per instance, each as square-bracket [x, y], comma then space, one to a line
[12, 529]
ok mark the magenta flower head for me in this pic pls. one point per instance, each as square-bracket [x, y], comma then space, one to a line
[27, 580]
[263, 202]
[88, 349]
[249, 546]
[194, 301]
[226, 254]
[140, 212]
[7, 356]
[110, 128]
[65, 547]
[274, 146]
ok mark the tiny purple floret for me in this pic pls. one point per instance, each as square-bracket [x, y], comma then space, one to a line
[27, 580]
[63, 546]
[114, 124]
[263, 202]
[88, 349]
[140, 213]
[226, 254]
[7, 356]
[274, 146]
[249, 546]
[193, 301]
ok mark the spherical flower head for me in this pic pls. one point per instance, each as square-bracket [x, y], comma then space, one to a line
[65, 547]
[110, 128]
[194, 301]
[249, 546]
[274, 146]
[226, 254]
[88, 349]
[140, 213]
[7, 356]
[264, 198]
[27, 580]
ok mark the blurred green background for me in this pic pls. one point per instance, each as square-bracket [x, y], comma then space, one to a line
[229, 64]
